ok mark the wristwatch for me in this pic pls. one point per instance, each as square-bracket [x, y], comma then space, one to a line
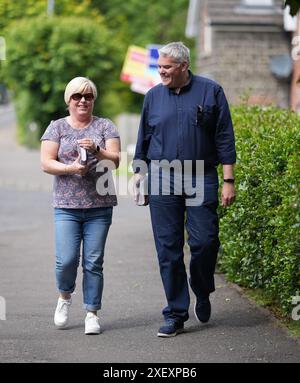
[229, 180]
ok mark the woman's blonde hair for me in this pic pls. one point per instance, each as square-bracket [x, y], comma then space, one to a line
[79, 85]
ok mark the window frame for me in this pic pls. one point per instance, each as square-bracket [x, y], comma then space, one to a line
[258, 3]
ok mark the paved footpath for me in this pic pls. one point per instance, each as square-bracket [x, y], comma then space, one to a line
[238, 332]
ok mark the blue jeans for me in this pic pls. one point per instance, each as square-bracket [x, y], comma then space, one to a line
[89, 227]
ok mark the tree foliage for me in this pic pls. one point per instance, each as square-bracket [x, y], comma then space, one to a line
[128, 22]
[142, 22]
[25, 9]
[43, 54]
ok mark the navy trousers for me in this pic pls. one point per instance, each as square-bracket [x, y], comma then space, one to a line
[170, 216]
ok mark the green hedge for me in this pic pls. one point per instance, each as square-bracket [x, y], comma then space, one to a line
[260, 232]
[44, 54]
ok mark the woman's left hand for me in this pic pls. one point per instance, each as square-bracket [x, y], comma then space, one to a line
[88, 143]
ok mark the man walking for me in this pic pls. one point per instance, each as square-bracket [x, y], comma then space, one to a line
[186, 118]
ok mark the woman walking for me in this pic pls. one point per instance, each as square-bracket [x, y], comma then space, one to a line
[82, 212]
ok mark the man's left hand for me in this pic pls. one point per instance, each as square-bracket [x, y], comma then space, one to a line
[228, 194]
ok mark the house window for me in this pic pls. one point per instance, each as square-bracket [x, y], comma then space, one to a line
[259, 3]
[256, 7]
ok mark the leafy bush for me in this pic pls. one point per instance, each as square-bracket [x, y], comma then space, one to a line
[260, 232]
[44, 54]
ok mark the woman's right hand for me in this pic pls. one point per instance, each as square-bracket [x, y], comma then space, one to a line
[77, 168]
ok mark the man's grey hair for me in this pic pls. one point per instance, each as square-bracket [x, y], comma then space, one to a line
[177, 50]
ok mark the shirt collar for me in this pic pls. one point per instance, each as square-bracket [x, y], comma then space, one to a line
[186, 87]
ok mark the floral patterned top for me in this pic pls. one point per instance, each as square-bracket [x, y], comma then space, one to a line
[91, 190]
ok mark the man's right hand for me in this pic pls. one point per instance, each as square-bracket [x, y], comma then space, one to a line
[140, 194]
[136, 185]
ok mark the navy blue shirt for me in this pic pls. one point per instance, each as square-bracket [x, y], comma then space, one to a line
[192, 125]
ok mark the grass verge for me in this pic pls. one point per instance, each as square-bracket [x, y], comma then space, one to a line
[262, 299]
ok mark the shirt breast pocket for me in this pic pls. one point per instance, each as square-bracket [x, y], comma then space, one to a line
[203, 117]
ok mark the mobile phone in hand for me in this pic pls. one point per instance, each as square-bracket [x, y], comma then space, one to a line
[142, 196]
[83, 156]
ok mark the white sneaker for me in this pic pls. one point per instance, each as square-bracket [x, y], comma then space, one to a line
[92, 324]
[61, 315]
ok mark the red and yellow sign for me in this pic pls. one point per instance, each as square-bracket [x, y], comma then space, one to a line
[136, 70]
[135, 65]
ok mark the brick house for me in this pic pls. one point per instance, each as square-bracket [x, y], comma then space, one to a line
[244, 46]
